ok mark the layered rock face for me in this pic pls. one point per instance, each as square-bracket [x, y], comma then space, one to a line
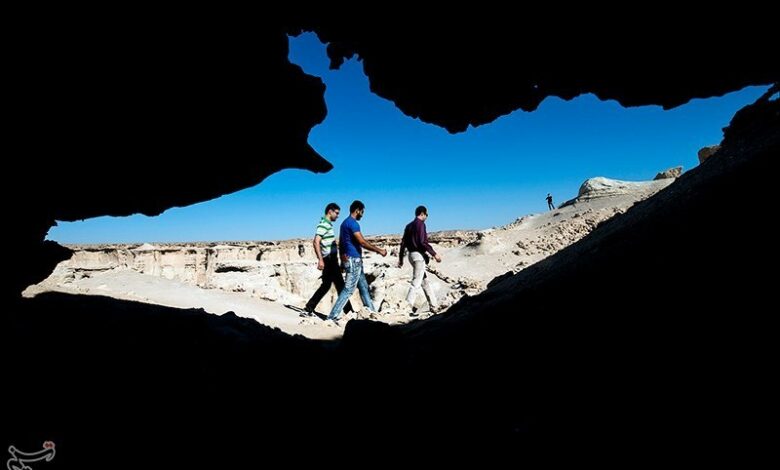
[283, 271]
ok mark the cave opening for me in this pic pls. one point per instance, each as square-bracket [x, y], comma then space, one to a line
[649, 329]
[485, 189]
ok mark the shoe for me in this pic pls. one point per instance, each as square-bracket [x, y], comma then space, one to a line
[306, 312]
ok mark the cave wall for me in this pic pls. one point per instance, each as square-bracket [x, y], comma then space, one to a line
[163, 91]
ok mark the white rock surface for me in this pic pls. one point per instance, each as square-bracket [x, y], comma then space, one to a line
[605, 187]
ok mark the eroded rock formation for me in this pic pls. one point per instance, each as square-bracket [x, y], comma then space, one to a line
[670, 173]
[707, 152]
[285, 273]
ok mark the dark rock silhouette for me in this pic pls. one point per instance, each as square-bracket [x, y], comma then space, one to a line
[564, 352]
[208, 108]
[596, 358]
[476, 66]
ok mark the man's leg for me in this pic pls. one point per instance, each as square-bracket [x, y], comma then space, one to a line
[418, 266]
[365, 294]
[338, 280]
[428, 289]
[353, 274]
[327, 280]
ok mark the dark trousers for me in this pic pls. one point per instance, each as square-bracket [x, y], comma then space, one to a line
[330, 275]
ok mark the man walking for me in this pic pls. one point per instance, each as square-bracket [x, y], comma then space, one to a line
[351, 244]
[415, 240]
[550, 204]
[327, 259]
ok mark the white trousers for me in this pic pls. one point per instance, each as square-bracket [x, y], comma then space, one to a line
[420, 279]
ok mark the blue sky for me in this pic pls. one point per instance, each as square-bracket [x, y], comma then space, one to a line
[484, 177]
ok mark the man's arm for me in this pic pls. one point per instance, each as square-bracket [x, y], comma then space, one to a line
[401, 251]
[427, 245]
[368, 246]
[318, 250]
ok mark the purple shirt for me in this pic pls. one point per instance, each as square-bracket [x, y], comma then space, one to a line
[415, 239]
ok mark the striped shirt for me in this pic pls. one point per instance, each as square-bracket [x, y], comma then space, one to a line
[325, 231]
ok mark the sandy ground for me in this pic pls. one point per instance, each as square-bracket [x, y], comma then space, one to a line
[529, 239]
[129, 285]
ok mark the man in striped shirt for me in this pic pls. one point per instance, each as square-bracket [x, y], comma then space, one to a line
[327, 258]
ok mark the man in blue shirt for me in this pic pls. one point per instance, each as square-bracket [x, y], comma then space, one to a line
[351, 244]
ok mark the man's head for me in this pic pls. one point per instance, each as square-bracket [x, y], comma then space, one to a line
[332, 211]
[357, 209]
[421, 213]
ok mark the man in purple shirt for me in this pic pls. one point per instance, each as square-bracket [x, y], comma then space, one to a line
[415, 240]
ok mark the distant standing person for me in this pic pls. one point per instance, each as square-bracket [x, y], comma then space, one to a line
[550, 204]
[415, 240]
[351, 244]
[327, 258]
